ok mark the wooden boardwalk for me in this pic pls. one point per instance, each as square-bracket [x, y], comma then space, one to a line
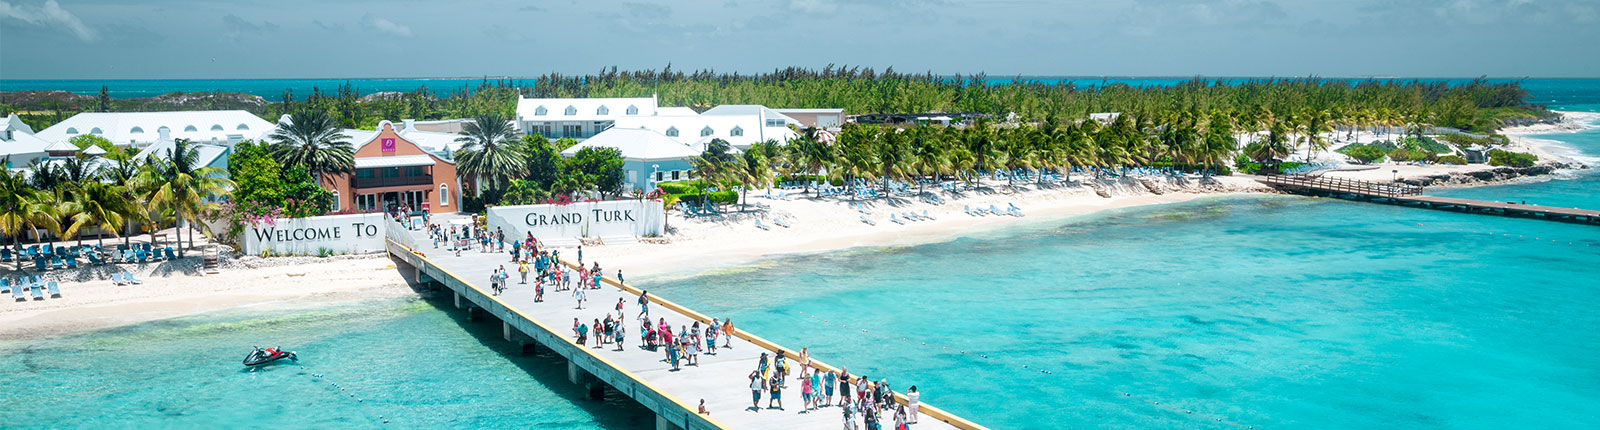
[1411, 195]
[643, 375]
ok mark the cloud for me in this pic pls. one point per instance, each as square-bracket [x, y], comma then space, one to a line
[387, 26]
[532, 8]
[647, 10]
[234, 26]
[50, 14]
[813, 6]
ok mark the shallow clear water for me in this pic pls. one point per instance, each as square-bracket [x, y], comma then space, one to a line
[405, 360]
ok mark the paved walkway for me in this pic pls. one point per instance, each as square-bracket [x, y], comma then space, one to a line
[721, 379]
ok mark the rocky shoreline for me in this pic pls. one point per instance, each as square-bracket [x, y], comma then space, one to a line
[1498, 175]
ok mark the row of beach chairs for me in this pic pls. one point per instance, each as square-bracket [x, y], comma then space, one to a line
[26, 285]
[1011, 209]
[778, 221]
[705, 209]
[50, 257]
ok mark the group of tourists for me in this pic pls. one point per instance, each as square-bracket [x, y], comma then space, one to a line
[817, 386]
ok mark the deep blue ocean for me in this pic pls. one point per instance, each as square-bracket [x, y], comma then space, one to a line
[1221, 313]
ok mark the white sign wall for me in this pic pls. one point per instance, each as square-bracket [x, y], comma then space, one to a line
[564, 224]
[349, 234]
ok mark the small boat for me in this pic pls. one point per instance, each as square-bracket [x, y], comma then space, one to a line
[267, 355]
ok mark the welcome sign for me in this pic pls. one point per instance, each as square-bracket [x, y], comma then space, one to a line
[334, 234]
[564, 224]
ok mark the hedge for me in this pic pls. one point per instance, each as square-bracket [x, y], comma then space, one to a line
[716, 197]
[1515, 159]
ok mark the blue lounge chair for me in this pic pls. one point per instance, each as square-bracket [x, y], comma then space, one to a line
[5, 254]
[868, 221]
[55, 263]
[5, 286]
[72, 263]
[780, 222]
[40, 263]
[116, 278]
[896, 220]
[129, 277]
[17, 293]
[55, 290]
[762, 226]
[925, 214]
[144, 255]
[94, 258]
[170, 254]
[37, 290]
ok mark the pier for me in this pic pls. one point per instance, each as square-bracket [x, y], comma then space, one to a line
[721, 380]
[1411, 195]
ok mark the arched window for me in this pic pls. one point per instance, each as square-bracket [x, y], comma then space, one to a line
[571, 110]
[216, 127]
[632, 110]
[672, 132]
[737, 131]
[190, 128]
[444, 195]
[96, 130]
[705, 131]
[71, 130]
[136, 130]
[163, 129]
[602, 111]
[242, 127]
[540, 111]
[335, 200]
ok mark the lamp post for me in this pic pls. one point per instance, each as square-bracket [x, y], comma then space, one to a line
[1396, 175]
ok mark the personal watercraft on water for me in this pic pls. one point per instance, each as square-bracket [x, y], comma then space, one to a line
[267, 355]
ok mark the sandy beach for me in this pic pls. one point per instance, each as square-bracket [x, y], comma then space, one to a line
[693, 245]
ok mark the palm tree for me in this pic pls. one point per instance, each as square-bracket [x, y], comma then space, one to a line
[179, 186]
[927, 154]
[312, 139]
[23, 207]
[1314, 124]
[488, 152]
[751, 168]
[98, 205]
[809, 154]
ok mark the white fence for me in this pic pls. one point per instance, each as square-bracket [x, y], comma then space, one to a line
[322, 235]
[562, 225]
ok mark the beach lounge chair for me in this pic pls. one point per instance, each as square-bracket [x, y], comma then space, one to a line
[72, 263]
[762, 226]
[925, 214]
[780, 222]
[116, 279]
[5, 254]
[895, 219]
[40, 264]
[129, 277]
[995, 210]
[94, 258]
[868, 221]
[170, 254]
[55, 290]
[17, 293]
[37, 290]
[144, 255]
[5, 286]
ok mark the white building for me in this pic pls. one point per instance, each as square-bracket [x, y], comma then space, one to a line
[141, 129]
[18, 145]
[578, 118]
[648, 157]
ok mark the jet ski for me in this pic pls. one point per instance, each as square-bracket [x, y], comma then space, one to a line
[262, 356]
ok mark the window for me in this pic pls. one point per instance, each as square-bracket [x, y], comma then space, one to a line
[672, 132]
[544, 130]
[164, 130]
[136, 130]
[633, 110]
[216, 127]
[660, 176]
[675, 174]
[572, 130]
[190, 128]
[571, 111]
[705, 131]
[737, 131]
[540, 111]
[71, 130]
[632, 176]
[444, 195]
[367, 202]
[602, 111]
[775, 122]
[242, 127]
[364, 173]
[96, 130]
[335, 200]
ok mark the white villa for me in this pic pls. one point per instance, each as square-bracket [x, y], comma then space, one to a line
[579, 118]
[18, 145]
[141, 129]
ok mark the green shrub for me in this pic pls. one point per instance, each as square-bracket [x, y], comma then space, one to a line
[716, 197]
[1514, 159]
[680, 187]
[1453, 159]
[1363, 153]
[1400, 155]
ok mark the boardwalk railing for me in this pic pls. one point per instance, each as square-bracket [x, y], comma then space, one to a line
[1343, 185]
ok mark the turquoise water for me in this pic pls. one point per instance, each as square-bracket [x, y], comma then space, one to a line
[407, 361]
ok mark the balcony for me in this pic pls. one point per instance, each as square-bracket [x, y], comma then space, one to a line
[393, 181]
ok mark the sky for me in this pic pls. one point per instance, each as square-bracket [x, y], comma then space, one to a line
[97, 39]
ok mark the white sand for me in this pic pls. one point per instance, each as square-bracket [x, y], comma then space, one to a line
[101, 304]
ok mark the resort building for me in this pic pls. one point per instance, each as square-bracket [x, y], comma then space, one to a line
[393, 169]
[648, 157]
[578, 118]
[209, 155]
[816, 118]
[18, 145]
[141, 129]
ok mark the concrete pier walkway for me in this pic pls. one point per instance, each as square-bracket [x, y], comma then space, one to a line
[646, 376]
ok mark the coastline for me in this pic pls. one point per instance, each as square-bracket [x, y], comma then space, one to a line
[696, 245]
